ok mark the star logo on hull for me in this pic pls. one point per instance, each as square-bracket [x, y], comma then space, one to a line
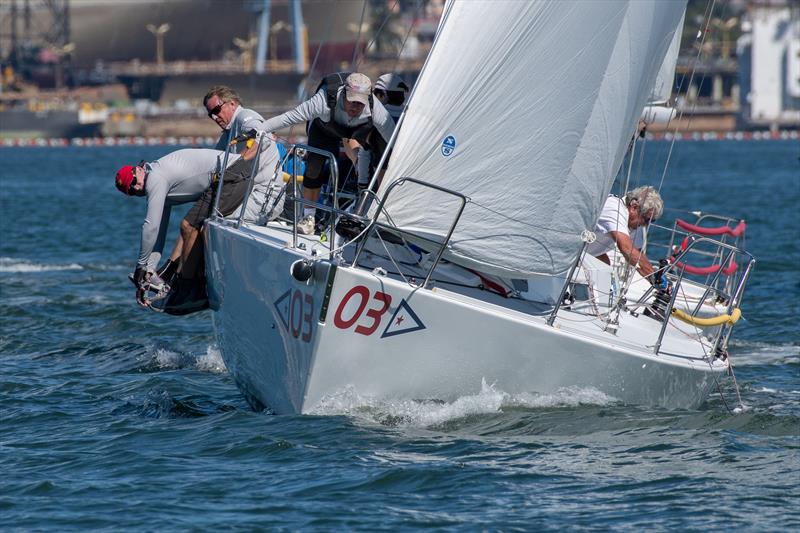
[404, 320]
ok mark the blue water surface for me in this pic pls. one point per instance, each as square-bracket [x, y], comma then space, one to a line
[115, 418]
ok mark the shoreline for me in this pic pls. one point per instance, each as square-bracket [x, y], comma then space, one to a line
[210, 140]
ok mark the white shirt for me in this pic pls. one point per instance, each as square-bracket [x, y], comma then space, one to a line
[614, 217]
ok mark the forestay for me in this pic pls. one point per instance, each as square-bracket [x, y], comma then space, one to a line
[526, 108]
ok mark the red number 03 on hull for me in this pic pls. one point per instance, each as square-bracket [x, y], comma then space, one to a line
[375, 307]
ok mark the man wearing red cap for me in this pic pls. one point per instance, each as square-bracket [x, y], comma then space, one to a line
[179, 177]
[342, 108]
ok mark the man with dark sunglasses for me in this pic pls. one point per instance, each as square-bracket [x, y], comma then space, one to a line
[224, 107]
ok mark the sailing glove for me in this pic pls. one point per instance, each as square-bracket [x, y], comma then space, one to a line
[663, 284]
[140, 275]
[140, 280]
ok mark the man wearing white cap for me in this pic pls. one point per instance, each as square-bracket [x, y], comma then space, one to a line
[342, 108]
[390, 90]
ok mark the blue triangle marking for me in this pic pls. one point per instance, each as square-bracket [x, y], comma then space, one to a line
[282, 306]
[402, 314]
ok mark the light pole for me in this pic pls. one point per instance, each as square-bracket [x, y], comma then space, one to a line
[273, 39]
[246, 46]
[159, 32]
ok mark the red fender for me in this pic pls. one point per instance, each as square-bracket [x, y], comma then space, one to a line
[735, 232]
[704, 271]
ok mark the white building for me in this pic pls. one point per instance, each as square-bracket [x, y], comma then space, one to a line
[769, 59]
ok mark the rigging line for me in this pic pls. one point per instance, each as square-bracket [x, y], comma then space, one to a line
[623, 187]
[445, 282]
[590, 285]
[358, 37]
[408, 33]
[708, 359]
[351, 241]
[377, 33]
[391, 258]
[391, 222]
[721, 395]
[640, 164]
[735, 383]
[523, 222]
[304, 94]
[704, 32]
[680, 85]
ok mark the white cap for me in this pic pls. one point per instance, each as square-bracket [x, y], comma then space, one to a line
[391, 82]
[358, 88]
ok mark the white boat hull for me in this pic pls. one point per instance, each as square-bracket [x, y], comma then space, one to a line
[289, 344]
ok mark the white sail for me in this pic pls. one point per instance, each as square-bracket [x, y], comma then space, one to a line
[526, 107]
[662, 89]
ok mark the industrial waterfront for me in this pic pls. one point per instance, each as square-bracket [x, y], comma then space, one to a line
[67, 71]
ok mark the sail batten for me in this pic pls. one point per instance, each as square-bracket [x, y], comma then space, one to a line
[526, 108]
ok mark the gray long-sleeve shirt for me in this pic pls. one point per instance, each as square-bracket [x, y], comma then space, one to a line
[176, 178]
[243, 120]
[317, 107]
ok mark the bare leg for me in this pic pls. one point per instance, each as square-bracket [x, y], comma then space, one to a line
[312, 195]
[176, 250]
[190, 252]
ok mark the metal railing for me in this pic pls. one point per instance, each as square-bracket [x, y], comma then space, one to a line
[713, 249]
[298, 201]
[733, 299]
[375, 224]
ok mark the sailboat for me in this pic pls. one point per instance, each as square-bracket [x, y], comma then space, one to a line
[468, 266]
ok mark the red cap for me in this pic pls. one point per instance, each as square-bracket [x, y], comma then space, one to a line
[124, 178]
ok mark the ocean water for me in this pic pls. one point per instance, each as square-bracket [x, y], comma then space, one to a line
[115, 418]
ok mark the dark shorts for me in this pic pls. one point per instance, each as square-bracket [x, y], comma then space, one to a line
[234, 187]
[328, 136]
[324, 139]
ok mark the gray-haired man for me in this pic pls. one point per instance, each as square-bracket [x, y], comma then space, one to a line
[622, 224]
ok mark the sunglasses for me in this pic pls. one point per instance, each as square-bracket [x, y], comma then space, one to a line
[215, 112]
[131, 191]
[132, 184]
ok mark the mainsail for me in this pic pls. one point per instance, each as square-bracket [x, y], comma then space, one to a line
[526, 108]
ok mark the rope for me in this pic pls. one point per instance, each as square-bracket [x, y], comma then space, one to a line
[358, 37]
[707, 16]
[408, 33]
[374, 37]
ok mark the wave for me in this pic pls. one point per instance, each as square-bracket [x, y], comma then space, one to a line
[161, 359]
[157, 402]
[9, 264]
[428, 413]
[212, 361]
[754, 353]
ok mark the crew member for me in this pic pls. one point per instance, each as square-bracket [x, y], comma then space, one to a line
[342, 108]
[390, 90]
[224, 107]
[177, 178]
[622, 223]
